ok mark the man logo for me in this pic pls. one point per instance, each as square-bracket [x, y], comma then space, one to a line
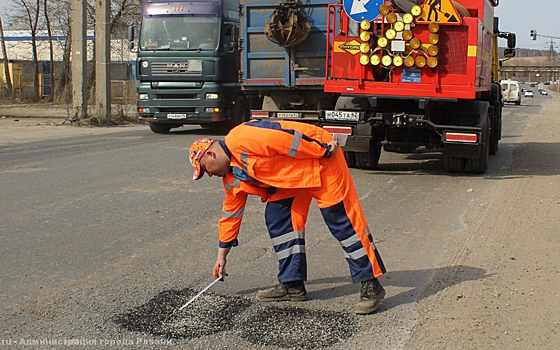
[176, 67]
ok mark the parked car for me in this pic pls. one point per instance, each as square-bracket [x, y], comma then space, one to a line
[529, 93]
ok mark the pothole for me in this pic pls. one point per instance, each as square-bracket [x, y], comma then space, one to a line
[210, 313]
[294, 327]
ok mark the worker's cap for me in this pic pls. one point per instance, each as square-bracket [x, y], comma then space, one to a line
[197, 151]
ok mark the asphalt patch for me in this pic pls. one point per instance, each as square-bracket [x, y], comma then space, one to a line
[211, 313]
[294, 327]
[267, 324]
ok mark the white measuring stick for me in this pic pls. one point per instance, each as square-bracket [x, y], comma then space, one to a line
[200, 293]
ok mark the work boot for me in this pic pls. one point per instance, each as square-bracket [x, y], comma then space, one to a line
[289, 291]
[370, 297]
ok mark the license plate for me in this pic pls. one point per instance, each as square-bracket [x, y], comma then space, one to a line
[342, 115]
[176, 116]
[288, 115]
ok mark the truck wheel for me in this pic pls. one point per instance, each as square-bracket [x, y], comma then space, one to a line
[160, 128]
[496, 130]
[350, 159]
[454, 164]
[480, 165]
[240, 111]
[370, 159]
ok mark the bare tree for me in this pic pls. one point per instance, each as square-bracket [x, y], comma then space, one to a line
[60, 19]
[49, 31]
[26, 13]
[6, 62]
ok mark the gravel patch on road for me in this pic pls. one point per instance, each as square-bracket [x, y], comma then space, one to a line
[210, 313]
[261, 324]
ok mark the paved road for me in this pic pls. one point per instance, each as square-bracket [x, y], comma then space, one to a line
[94, 226]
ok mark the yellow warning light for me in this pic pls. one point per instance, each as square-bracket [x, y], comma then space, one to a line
[375, 60]
[384, 10]
[409, 61]
[364, 48]
[391, 34]
[433, 27]
[433, 50]
[382, 42]
[416, 10]
[364, 60]
[407, 35]
[433, 39]
[365, 25]
[392, 17]
[387, 60]
[365, 36]
[432, 62]
[420, 61]
[408, 18]
[415, 43]
[399, 26]
[398, 61]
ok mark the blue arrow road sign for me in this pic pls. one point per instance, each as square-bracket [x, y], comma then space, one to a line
[358, 10]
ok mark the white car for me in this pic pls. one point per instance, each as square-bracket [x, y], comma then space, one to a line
[529, 93]
[544, 93]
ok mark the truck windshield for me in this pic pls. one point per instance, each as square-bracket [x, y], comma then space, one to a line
[180, 33]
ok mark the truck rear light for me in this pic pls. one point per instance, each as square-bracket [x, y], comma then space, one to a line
[461, 137]
[259, 114]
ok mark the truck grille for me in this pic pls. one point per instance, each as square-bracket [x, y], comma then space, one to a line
[176, 68]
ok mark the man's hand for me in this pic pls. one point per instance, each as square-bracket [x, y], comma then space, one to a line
[220, 265]
[334, 145]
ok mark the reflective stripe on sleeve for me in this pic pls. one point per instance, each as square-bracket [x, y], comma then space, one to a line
[295, 144]
[290, 236]
[245, 161]
[296, 249]
[235, 214]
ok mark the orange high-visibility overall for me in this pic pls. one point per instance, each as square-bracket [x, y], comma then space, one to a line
[292, 163]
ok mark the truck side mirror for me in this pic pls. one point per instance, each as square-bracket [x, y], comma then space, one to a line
[131, 37]
[509, 53]
[512, 40]
[234, 36]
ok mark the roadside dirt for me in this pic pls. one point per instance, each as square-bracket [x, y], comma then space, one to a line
[514, 235]
[36, 122]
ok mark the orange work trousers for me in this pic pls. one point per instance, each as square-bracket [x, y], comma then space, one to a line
[286, 215]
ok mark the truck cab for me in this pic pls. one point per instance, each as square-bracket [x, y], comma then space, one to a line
[187, 65]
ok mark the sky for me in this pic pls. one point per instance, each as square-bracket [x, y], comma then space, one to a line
[517, 16]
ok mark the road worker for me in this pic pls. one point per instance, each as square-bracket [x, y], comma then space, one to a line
[288, 164]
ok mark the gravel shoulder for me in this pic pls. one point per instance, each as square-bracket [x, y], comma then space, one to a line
[38, 122]
[512, 233]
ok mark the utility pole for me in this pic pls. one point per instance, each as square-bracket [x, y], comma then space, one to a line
[6, 63]
[79, 59]
[103, 59]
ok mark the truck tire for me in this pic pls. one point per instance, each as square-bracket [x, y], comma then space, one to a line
[241, 110]
[480, 165]
[160, 128]
[369, 160]
[350, 159]
[454, 164]
[496, 130]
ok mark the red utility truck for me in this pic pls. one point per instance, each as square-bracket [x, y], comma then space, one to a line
[421, 73]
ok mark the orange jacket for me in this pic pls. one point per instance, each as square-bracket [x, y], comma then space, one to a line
[233, 207]
[280, 154]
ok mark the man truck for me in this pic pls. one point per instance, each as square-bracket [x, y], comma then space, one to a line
[187, 64]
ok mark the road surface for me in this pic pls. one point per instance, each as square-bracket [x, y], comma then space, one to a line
[95, 226]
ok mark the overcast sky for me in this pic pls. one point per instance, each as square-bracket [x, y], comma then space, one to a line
[518, 16]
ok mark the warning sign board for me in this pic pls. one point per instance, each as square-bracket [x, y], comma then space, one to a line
[352, 46]
[439, 11]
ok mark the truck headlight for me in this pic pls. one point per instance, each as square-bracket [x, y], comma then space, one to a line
[212, 96]
[212, 110]
[142, 96]
[144, 64]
